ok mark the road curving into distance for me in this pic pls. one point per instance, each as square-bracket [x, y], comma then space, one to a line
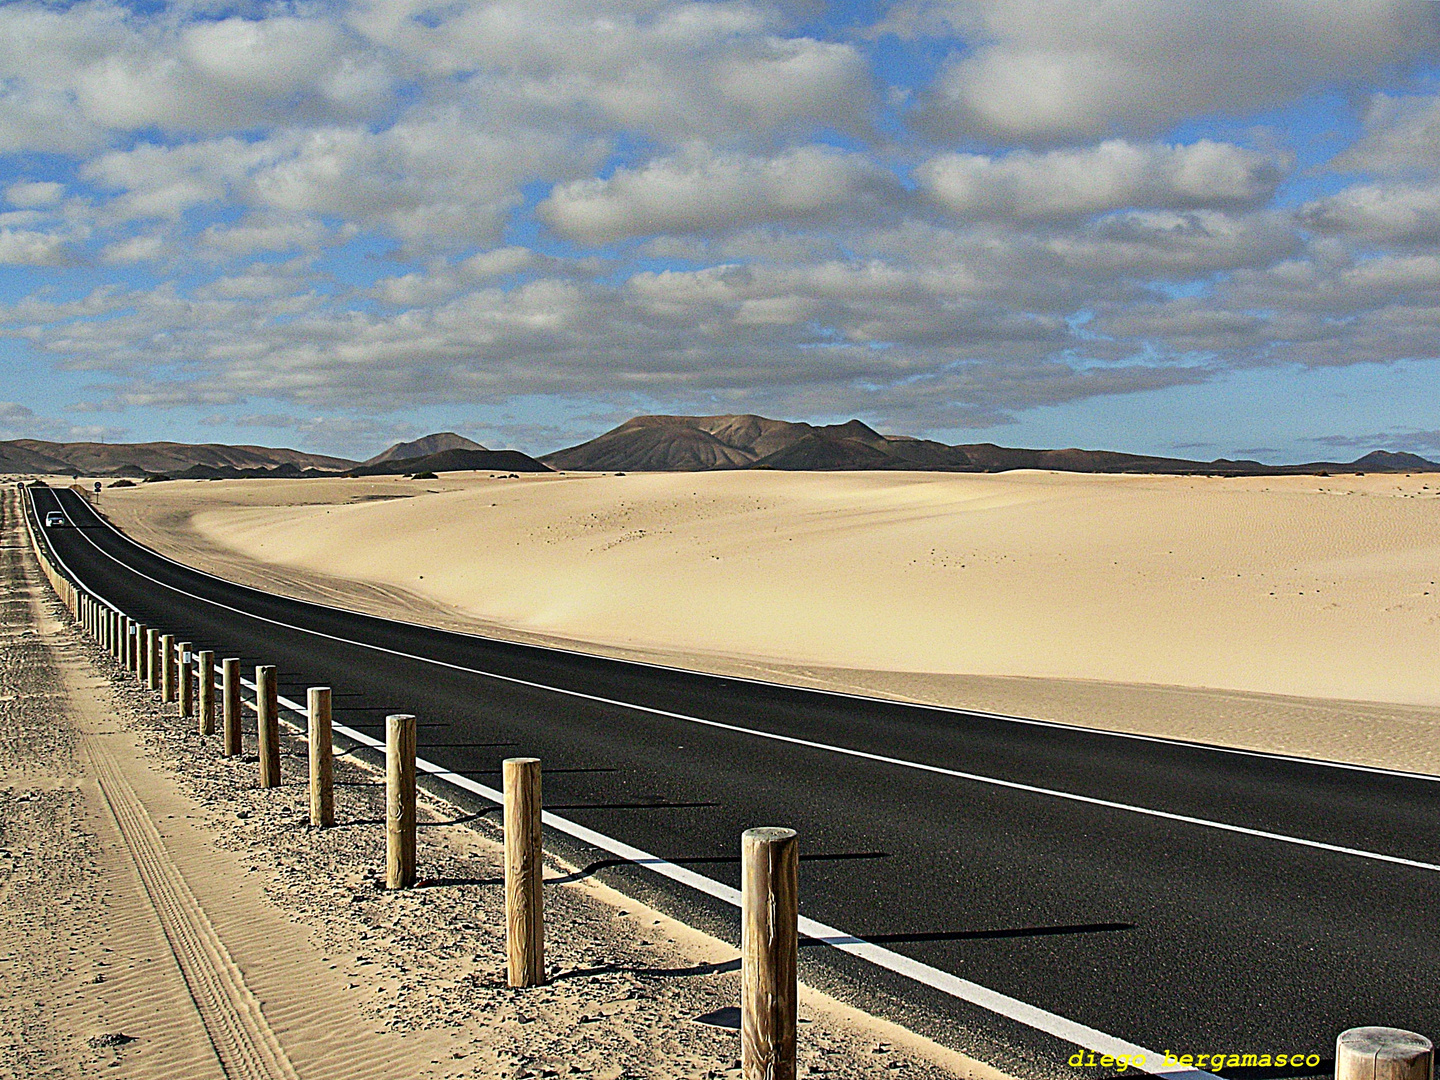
[1144, 892]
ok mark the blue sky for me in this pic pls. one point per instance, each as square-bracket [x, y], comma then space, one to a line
[1155, 227]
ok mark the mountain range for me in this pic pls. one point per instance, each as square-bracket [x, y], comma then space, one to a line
[645, 443]
[139, 460]
[699, 443]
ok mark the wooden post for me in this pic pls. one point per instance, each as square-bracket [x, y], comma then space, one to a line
[1381, 1053]
[769, 944]
[131, 628]
[168, 684]
[267, 725]
[206, 675]
[187, 679]
[399, 801]
[230, 691]
[524, 864]
[322, 789]
[152, 658]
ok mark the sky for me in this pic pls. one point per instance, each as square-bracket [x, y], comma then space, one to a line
[1206, 229]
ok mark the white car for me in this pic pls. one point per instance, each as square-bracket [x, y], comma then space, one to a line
[54, 519]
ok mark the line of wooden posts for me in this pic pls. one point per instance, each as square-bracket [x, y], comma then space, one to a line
[769, 857]
[769, 936]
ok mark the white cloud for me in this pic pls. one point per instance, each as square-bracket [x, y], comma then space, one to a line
[32, 194]
[20, 247]
[1401, 136]
[704, 192]
[135, 249]
[671, 71]
[1081, 69]
[1072, 183]
[1378, 213]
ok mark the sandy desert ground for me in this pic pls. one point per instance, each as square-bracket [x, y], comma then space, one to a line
[1296, 614]
[166, 917]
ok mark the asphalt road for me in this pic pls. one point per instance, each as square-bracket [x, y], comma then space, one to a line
[1171, 934]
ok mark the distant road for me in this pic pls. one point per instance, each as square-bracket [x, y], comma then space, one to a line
[1175, 896]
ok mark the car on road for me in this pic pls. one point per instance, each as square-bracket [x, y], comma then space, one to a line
[54, 519]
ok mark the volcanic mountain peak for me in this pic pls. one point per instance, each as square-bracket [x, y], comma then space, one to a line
[435, 443]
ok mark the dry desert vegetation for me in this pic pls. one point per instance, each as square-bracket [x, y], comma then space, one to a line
[1291, 614]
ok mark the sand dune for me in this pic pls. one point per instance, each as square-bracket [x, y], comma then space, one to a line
[1314, 588]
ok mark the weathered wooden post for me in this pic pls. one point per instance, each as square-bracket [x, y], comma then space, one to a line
[322, 789]
[399, 801]
[168, 684]
[152, 658]
[187, 679]
[267, 713]
[524, 865]
[1381, 1053]
[230, 690]
[206, 675]
[769, 947]
[131, 629]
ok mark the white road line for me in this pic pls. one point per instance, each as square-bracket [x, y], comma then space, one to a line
[884, 759]
[1323, 763]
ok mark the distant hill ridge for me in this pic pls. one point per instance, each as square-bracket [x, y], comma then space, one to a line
[156, 459]
[702, 443]
[644, 443]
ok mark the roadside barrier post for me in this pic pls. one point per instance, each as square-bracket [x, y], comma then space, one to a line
[524, 864]
[187, 679]
[206, 675]
[268, 725]
[322, 789]
[399, 801]
[137, 640]
[128, 663]
[230, 687]
[769, 944]
[1381, 1053]
[167, 668]
[152, 658]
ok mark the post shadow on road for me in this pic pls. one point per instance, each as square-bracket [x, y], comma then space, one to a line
[703, 860]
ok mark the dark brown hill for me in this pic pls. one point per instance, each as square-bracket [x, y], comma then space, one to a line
[454, 461]
[700, 443]
[431, 444]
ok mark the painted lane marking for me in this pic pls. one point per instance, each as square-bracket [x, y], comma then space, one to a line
[919, 766]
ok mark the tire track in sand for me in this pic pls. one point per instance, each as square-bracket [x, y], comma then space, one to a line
[242, 1038]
